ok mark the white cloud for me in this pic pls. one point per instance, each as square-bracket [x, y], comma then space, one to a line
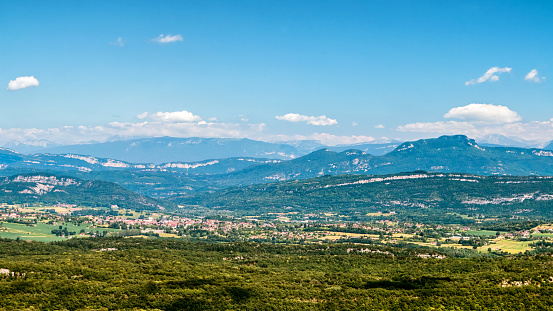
[354, 124]
[176, 116]
[379, 126]
[486, 113]
[534, 131]
[540, 131]
[294, 117]
[22, 83]
[167, 38]
[244, 118]
[129, 130]
[482, 120]
[489, 75]
[533, 76]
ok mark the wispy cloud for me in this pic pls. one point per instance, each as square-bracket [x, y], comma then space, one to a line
[168, 38]
[331, 139]
[533, 76]
[22, 83]
[175, 116]
[486, 113]
[379, 126]
[440, 127]
[295, 117]
[119, 42]
[489, 75]
[328, 139]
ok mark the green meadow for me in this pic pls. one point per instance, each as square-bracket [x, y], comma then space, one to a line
[43, 231]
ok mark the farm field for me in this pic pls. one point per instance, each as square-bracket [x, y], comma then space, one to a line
[509, 246]
[43, 232]
[544, 235]
[341, 235]
[482, 232]
[39, 232]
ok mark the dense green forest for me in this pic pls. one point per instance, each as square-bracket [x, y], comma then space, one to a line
[421, 196]
[135, 274]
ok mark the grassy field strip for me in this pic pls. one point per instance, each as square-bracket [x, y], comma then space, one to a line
[168, 235]
[400, 235]
[381, 214]
[43, 232]
[545, 235]
[338, 235]
[482, 232]
[508, 246]
[456, 246]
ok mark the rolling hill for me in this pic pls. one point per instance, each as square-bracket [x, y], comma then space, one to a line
[53, 189]
[428, 196]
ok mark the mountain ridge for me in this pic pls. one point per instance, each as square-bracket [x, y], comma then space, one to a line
[447, 154]
[170, 149]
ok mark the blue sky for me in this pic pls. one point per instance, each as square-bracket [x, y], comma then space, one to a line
[337, 71]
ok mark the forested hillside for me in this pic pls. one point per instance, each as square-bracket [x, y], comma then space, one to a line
[418, 193]
[49, 189]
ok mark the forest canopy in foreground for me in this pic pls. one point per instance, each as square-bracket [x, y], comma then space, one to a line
[134, 274]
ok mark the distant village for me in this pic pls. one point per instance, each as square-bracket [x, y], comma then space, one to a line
[66, 221]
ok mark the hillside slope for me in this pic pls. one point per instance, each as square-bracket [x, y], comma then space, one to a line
[444, 154]
[41, 188]
[418, 193]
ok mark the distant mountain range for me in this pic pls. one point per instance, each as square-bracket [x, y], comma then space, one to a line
[12, 161]
[453, 154]
[349, 181]
[497, 140]
[159, 150]
[444, 154]
[169, 149]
